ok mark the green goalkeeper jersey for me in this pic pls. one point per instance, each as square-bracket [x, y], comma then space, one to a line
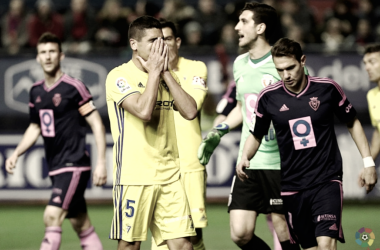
[251, 76]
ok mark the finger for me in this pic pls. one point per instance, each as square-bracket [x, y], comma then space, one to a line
[160, 45]
[154, 47]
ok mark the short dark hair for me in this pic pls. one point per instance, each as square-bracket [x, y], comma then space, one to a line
[139, 25]
[48, 37]
[169, 24]
[263, 13]
[287, 47]
[372, 48]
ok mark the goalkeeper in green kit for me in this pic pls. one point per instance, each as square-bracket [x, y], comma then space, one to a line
[260, 193]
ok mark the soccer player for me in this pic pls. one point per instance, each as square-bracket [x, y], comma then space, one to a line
[372, 65]
[302, 110]
[142, 97]
[60, 106]
[193, 77]
[253, 71]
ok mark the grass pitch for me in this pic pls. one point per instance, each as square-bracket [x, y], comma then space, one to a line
[21, 227]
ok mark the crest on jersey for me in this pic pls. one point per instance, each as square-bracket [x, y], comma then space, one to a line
[314, 103]
[197, 80]
[267, 80]
[57, 99]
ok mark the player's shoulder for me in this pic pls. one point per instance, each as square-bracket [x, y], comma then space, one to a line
[241, 58]
[324, 82]
[273, 88]
[185, 62]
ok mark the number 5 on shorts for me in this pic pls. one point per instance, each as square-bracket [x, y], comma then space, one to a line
[130, 207]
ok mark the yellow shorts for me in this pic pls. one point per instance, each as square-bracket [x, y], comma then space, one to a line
[162, 208]
[195, 188]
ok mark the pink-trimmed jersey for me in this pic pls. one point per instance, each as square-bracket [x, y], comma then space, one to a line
[304, 125]
[60, 111]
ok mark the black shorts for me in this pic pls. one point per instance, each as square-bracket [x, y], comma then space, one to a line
[315, 212]
[260, 192]
[68, 191]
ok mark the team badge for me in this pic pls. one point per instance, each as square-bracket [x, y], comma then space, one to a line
[267, 80]
[199, 81]
[57, 99]
[38, 99]
[314, 103]
[122, 85]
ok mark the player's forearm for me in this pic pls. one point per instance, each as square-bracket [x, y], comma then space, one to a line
[185, 104]
[235, 117]
[251, 146]
[98, 130]
[30, 137]
[356, 130]
[375, 144]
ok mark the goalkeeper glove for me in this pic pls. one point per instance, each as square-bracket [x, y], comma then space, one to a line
[210, 142]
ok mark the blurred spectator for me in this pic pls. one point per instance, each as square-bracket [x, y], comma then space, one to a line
[178, 12]
[364, 33]
[79, 28]
[44, 20]
[193, 34]
[229, 38]
[297, 12]
[212, 18]
[13, 25]
[366, 10]
[144, 7]
[332, 37]
[343, 11]
[296, 33]
[113, 25]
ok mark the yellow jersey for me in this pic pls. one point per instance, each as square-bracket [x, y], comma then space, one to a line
[373, 98]
[144, 153]
[193, 77]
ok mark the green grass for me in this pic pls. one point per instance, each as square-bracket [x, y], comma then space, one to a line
[21, 227]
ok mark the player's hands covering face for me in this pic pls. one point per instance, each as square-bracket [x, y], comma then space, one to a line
[157, 60]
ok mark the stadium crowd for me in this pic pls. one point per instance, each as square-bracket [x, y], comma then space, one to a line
[328, 25]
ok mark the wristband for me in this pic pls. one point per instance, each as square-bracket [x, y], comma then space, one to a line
[368, 162]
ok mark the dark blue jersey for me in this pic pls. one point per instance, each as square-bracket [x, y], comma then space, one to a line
[304, 125]
[60, 111]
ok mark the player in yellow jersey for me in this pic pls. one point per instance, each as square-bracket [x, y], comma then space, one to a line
[193, 77]
[372, 65]
[142, 97]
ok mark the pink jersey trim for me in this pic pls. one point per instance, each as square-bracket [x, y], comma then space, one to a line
[54, 85]
[336, 85]
[69, 169]
[288, 193]
[31, 105]
[300, 94]
[228, 92]
[341, 207]
[262, 92]
[38, 83]
[80, 87]
[71, 190]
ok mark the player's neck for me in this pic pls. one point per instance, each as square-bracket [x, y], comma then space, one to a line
[50, 80]
[173, 65]
[299, 87]
[259, 49]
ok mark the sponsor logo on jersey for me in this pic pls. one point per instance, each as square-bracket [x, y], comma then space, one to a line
[140, 85]
[57, 99]
[333, 227]
[326, 217]
[57, 199]
[284, 108]
[163, 83]
[122, 85]
[314, 103]
[275, 201]
[267, 80]
[348, 108]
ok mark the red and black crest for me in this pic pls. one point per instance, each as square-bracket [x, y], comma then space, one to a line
[314, 103]
[57, 99]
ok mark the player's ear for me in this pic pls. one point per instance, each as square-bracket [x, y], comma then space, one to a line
[133, 44]
[261, 28]
[303, 60]
[178, 41]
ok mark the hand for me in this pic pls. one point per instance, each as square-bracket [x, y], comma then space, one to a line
[99, 176]
[210, 142]
[156, 59]
[10, 163]
[368, 178]
[243, 164]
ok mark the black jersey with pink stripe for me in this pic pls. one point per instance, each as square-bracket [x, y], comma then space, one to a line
[63, 127]
[304, 125]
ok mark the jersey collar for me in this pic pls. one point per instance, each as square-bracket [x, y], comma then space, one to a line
[302, 92]
[48, 89]
[255, 63]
